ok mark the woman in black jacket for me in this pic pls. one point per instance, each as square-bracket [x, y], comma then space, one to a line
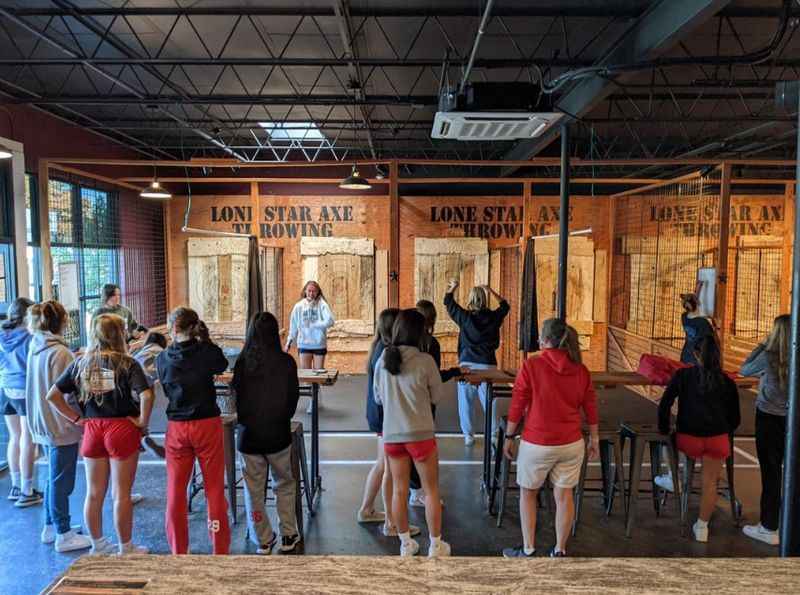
[478, 339]
[708, 414]
[267, 391]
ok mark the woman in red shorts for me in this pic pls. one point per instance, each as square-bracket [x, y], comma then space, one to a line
[105, 378]
[407, 383]
[708, 413]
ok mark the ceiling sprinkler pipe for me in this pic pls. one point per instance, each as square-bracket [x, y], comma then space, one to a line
[478, 35]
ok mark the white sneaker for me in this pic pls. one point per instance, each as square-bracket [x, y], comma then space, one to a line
[71, 541]
[700, 533]
[49, 532]
[131, 549]
[392, 531]
[440, 550]
[664, 482]
[416, 498]
[103, 547]
[136, 498]
[761, 534]
[409, 548]
[469, 439]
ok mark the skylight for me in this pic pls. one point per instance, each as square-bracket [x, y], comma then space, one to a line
[292, 130]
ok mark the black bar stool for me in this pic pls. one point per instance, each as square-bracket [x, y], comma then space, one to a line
[610, 446]
[641, 435]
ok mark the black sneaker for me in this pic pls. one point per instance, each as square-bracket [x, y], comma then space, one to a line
[266, 549]
[517, 552]
[554, 553]
[36, 497]
[289, 543]
[14, 493]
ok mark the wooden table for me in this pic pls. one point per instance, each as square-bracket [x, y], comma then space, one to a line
[606, 379]
[310, 381]
[393, 574]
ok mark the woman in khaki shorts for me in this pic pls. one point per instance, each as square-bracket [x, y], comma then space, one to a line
[551, 390]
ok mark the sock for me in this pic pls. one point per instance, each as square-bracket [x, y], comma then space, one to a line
[702, 524]
[435, 540]
[97, 542]
[529, 551]
[125, 548]
[27, 487]
[15, 477]
[404, 537]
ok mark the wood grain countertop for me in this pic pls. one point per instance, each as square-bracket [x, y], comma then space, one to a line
[385, 575]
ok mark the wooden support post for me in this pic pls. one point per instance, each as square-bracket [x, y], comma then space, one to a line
[788, 246]
[44, 229]
[166, 217]
[394, 236]
[720, 308]
[254, 202]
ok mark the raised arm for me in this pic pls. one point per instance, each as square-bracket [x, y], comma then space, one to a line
[454, 311]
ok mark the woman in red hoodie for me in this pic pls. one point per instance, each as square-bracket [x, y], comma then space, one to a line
[550, 391]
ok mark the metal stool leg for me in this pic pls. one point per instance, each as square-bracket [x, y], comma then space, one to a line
[605, 470]
[688, 476]
[505, 467]
[655, 470]
[498, 456]
[578, 494]
[637, 454]
[619, 478]
[305, 475]
[736, 506]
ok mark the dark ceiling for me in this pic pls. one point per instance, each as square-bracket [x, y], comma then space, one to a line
[189, 79]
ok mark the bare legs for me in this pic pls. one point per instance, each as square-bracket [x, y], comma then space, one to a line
[565, 513]
[374, 481]
[527, 515]
[400, 469]
[122, 473]
[306, 360]
[708, 498]
[14, 439]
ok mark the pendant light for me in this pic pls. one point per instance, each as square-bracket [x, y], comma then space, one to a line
[354, 181]
[155, 190]
[5, 152]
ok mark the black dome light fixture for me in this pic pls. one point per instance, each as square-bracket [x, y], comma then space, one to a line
[354, 181]
[155, 190]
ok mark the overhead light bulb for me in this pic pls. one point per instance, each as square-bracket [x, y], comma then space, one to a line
[354, 181]
[154, 190]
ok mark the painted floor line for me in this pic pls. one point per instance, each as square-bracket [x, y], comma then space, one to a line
[745, 454]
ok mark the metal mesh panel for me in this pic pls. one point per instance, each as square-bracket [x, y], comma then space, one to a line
[757, 290]
[661, 238]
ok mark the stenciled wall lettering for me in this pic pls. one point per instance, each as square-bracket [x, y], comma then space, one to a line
[495, 222]
[693, 221]
[277, 222]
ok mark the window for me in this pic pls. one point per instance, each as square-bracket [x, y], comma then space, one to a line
[84, 230]
[292, 130]
[34, 252]
[7, 274]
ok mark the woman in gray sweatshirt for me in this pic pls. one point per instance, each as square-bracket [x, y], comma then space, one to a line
[770, 362]
[407, 382]
[49, 356]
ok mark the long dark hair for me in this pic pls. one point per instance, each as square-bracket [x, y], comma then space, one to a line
[262, 340]
[408, 329]
[383, 332]
[708, 356]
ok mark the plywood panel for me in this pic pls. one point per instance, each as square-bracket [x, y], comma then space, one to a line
[272, 281]
[218, 269]
[600, 287]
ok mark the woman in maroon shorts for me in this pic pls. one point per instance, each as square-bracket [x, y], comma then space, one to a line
[407, 383]
[105, 378]
[708, 413]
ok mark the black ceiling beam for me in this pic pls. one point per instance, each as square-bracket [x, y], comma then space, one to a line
[598, 10]
[663, 24]
[409, 100]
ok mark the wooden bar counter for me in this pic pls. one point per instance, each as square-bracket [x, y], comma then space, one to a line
[374, 574]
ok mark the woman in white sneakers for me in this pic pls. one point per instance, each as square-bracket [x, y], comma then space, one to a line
[309, 322]
[552, 390]
[407, 383]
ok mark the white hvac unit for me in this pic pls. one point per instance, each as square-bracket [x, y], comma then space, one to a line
[491, 126]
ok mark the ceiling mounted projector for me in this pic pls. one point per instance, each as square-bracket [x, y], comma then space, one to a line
[494, 112]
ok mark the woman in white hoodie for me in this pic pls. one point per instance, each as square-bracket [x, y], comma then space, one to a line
[49, 356]
[308, 328]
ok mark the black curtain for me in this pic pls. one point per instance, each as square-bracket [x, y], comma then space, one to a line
[529, 317]
[255, 291]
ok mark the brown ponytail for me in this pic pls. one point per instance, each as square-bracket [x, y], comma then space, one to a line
[185, 321]
[49, 316]
[562, 336]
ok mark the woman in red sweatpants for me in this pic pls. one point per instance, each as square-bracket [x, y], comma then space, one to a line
[186, 370]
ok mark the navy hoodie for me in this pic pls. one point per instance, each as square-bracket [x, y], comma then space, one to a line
[14, 346]
[186, 370]
[479, 332]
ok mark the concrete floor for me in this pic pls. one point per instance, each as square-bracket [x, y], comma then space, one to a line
[27, 565]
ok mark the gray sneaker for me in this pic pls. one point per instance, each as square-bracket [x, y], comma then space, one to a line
[518, 552]
[25, 500]
[14, 493]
